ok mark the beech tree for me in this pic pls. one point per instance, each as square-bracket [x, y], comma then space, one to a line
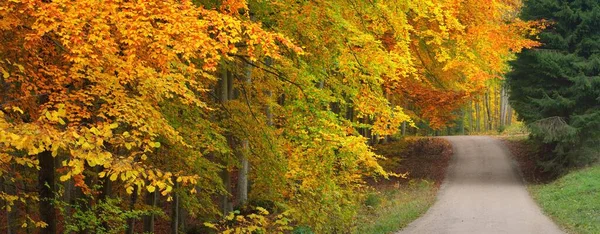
[247, 103]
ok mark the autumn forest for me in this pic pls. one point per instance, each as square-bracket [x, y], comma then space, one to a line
[242, 116]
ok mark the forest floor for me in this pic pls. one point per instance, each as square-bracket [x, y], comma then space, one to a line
[396, 202]
[572, 200]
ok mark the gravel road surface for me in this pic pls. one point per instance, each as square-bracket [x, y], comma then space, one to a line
[483, 193]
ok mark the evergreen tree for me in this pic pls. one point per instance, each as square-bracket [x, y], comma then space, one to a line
[556, 88]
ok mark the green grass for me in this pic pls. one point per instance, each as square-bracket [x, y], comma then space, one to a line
[573, 201]
[389, 210]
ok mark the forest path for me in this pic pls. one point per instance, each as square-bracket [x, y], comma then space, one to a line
[483, 193]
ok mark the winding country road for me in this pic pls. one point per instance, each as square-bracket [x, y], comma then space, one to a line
[483, 193]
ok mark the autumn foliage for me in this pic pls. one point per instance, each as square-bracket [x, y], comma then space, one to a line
[126, 98]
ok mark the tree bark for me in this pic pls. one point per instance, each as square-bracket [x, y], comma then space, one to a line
[225, 177]
[175, 210]
[8, 188]
[243, 170]
[47, 188]
[471, 122]
[477, 116]
[502, 110]
[243, 174]
[509, 116]
[488, 111]
[132, 201]
[151, 199]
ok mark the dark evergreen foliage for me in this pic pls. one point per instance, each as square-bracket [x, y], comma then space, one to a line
[555, 88]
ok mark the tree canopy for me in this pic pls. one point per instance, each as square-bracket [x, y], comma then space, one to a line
[175, 101]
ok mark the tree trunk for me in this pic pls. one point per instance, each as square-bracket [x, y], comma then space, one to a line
[47, 188]
[471, 122]
[131, 221]
[8, 188]
[350, 113]
[488, 111]
[477, 116]
[242, 185]
[151, 199]
[502, 110]
[243, 174]
[28, 212]
[462, 121]
[509, 116]
[175, 210]
[225, 177]
[106, 192]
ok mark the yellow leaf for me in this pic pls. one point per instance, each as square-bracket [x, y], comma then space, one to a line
[102, 174]
[66, 177]
[114, 125]
[129, 190]
[24, 225]
[210, 225]
[262, 211]
[91, 162]
[230, 216]
[113, 177]
[54, 150]
[150, 188]
[41, 224]
[17, 109]
[86, 146]
[128, 145]
[144, 157]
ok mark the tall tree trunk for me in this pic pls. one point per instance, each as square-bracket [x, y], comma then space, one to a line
[471, 122]
[106, 193]
[132, 201]
[477, 116]
[502, 110]
[488, 111]
[47, 188]
[350, 113]
[462, 121]
[151, 199]
[243, 170]
[497, 101]
[226, 206]
[27, 208]
[242, 185]
[509, 115]
[175, 210]
[9, 188]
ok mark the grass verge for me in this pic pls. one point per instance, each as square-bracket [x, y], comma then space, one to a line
[572, 201]
[396, 202]
[390, 210]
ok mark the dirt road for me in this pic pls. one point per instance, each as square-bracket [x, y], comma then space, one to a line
[483, 193]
